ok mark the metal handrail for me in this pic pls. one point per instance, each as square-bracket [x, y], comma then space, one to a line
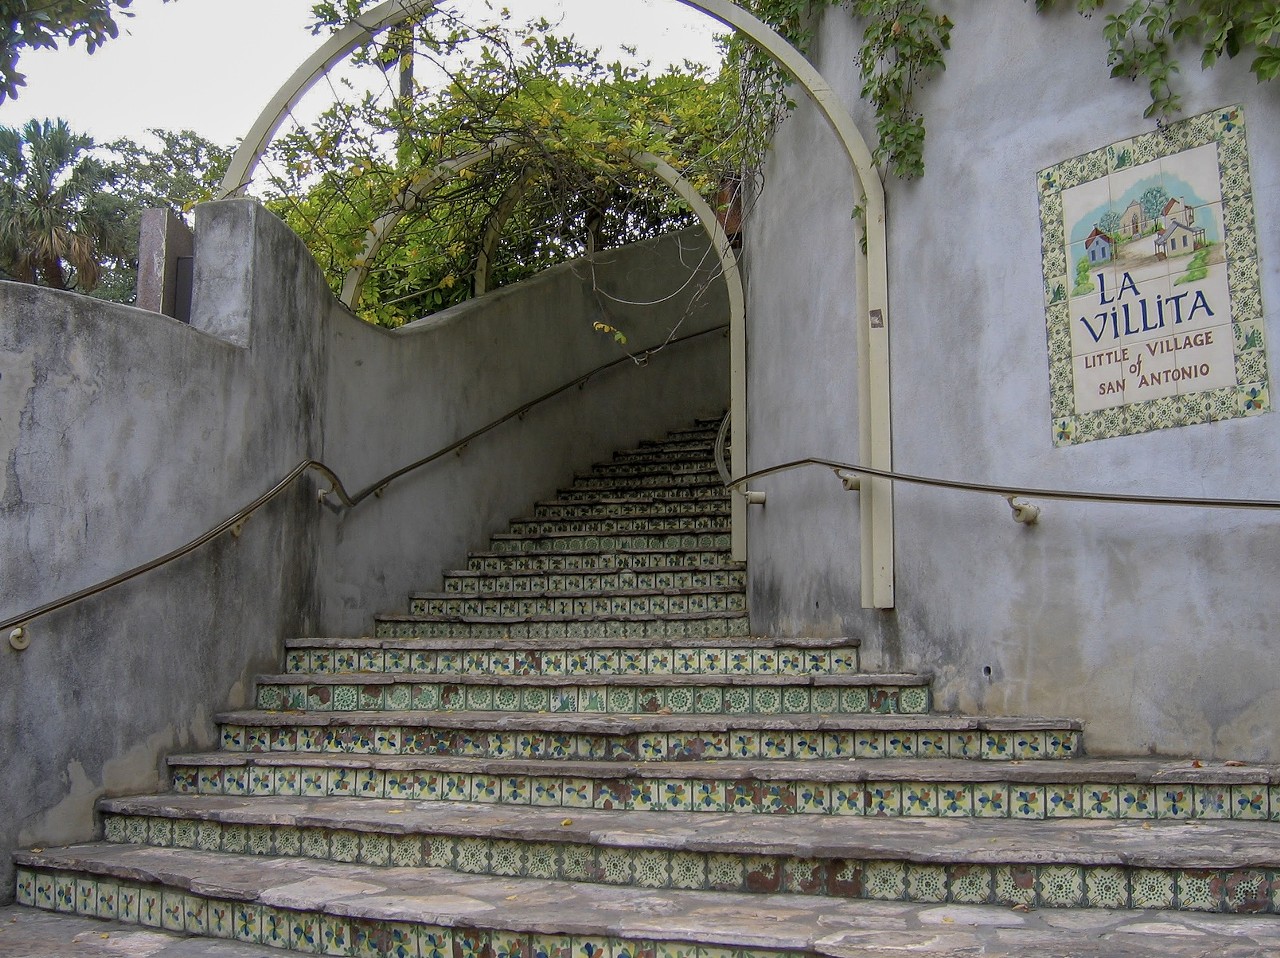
[235, 523]
[848, 473]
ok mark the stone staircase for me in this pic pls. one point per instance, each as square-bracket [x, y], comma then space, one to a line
[578, 750]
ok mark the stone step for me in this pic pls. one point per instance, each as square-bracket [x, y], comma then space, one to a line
[841, 694]
[32, 933]
[604, 656]
[1132, 789]
[637, 737]
[631, 506]
[603, 918]
[687, 625]
[672, 468]
[1221, 866]
[581, 604]
[632, 485]
[703, 493]
[536, 581]
[672, 445]
[504, 563]
[621, 524]
[509, 543]
[704, 431]
[660, 455]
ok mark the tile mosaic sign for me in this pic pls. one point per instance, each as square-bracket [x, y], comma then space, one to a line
[1152, 291]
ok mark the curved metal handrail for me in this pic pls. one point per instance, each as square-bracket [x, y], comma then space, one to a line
[235, 523]
[848, 473]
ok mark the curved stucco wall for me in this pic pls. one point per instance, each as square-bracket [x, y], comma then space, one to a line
[124, 434]
[1156, 626]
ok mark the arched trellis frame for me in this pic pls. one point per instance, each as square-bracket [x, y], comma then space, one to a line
[426, 180]
[875, 447]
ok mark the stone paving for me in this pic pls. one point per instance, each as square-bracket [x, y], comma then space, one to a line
[839, 929]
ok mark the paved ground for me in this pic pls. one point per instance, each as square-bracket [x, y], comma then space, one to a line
[27, 933]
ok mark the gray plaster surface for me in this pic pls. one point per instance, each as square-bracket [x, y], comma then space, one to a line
[1092, 842]
[1147, 622]
[841, 929]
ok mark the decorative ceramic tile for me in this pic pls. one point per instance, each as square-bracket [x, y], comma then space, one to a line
[1157, 256]
[1061, 886]
[885, 881]
[1152, 888]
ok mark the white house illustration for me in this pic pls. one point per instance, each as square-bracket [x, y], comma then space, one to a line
[1178, 239]
[1099, 246]
[1177, 211]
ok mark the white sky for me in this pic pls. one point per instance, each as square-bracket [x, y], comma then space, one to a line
[212, 65]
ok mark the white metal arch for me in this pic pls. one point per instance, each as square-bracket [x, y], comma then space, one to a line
[875, 448]
[421, 184]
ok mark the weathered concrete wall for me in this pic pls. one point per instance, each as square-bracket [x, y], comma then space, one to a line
[125, 433]
[397, 397]
[1156, 626]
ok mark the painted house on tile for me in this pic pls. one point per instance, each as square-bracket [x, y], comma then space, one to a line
[1134, 220]
[1179, 239]
[1177, 210]
[1099, 246]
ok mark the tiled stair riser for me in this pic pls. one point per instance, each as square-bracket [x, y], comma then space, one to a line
[616, 604]
[697, 483]
[647, 509]
[686, 466]
[684, 699]
[704, 660]
[320, 933]
[714, 626]
[752, 796]
[612, 542]
[663, 559]
[476, 584]
[707, 492]
[648, 746]
[1244, 890]
[619, 524]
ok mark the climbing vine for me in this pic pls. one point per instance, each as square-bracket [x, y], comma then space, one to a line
[904, 44]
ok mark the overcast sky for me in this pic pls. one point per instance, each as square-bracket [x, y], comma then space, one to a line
[212, 65]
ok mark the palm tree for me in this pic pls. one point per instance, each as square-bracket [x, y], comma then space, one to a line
[58, 223]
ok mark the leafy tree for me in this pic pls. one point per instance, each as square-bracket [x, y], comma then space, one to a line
[184, 170]
[1154, 201]
[27, 25]
[58, 220]
[565, 185]
[1109, 223]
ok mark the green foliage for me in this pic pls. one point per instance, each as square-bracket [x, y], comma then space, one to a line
[1197, 269]
[1084, 279]
[26, 25]
[59, 221]
[182, 170]
[1143, 39]
[904, 42]
[565, 185]
[903, 45]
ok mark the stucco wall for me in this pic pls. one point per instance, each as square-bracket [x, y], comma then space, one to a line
[1155, 626]
[124, 434]
[394, 398]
